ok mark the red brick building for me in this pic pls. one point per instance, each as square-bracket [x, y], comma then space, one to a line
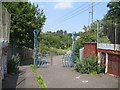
[90, 48]
[109, 54]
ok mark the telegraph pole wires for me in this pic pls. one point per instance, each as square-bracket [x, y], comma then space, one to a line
[90, 20]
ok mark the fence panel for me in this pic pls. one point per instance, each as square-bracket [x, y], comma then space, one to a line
[44, 60]
[25, 53]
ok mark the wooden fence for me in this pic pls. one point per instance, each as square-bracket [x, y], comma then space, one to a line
[24, 53]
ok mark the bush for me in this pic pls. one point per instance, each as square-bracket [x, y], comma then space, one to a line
[12, 65]
[88, 65]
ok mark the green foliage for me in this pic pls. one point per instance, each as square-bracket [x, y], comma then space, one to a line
[12, 65]
[57, 51]
[33, 67]
[93, 72]
[90, 36]
[37, 77]
[88, 65]
[109, 20]
[114, 10]
[54, 42]
[25, 18]
[17, 60]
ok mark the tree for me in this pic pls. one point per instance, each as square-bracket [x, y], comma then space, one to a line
[25, 18]
[56, 40]
[112, 17]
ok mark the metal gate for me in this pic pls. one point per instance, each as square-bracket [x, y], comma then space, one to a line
[67, 60]
[44, 60]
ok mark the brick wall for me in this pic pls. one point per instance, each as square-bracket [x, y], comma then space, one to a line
[114, 64]
[90, 48]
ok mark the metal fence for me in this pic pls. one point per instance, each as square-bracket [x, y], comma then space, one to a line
[44, 60]
[108, 31]
[67, 60]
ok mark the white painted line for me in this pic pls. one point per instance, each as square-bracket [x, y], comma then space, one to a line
[85, 81]
[78, 77]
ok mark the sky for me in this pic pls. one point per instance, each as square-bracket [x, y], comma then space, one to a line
[70, 16]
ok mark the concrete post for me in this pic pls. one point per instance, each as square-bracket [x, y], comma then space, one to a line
[106, 63]
[99, 54]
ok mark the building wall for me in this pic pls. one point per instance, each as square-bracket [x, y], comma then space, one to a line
[0, 68]
[90, 49]
[0, 62]
[114, 64]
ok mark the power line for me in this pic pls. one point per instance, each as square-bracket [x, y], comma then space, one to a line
[76, 14]
[70, 13]
[77, 9]
[81, 11]
[90, 19]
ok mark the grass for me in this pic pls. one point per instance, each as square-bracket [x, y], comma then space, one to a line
[38, 78]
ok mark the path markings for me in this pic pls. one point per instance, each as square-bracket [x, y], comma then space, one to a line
[85, 81]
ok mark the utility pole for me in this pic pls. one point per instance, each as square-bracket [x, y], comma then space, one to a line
[90, 20]
[98, 53]
[97, 32]
[115, 36]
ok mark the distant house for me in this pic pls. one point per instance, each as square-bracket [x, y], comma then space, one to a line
[109, 54]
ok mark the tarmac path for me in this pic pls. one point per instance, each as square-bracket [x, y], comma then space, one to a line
[57, 76]
[24, 79]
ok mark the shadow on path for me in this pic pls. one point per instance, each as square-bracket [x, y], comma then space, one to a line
[24, 78]
[11, 80]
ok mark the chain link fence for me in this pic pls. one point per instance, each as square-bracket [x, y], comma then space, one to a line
[108, 33]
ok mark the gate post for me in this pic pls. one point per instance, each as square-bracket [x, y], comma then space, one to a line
[35, 47]
[73, 47]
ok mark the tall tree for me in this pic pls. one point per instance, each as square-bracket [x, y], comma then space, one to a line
[25, 18]
[112, 22]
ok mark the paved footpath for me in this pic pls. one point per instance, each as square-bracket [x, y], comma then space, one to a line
[24, 79]
[56, 76]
